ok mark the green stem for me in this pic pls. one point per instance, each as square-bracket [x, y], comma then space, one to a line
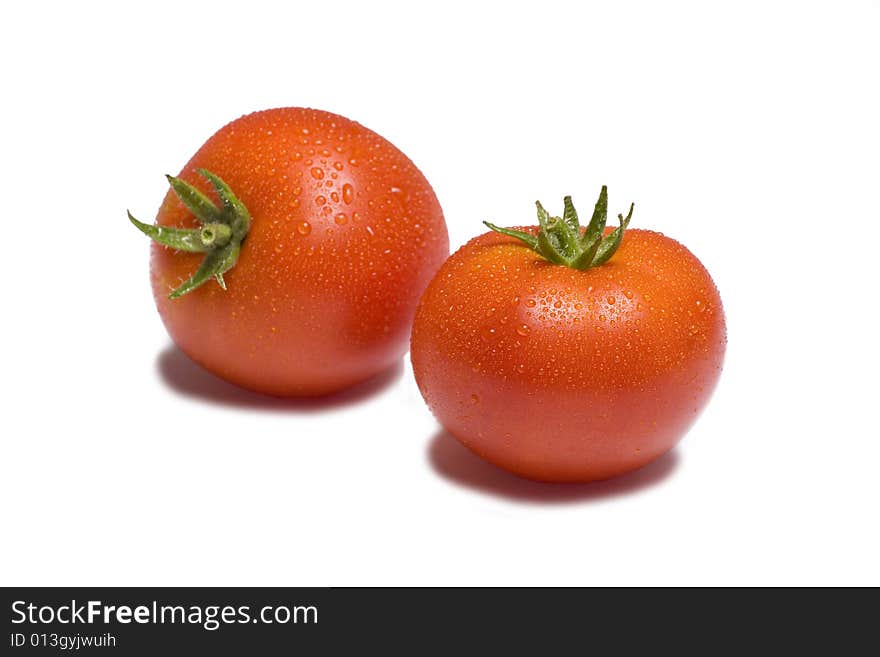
[215, 235]
[220, 237]
[561, 240]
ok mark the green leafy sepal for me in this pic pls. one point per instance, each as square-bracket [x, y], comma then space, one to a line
[562, 240]
[219, 238]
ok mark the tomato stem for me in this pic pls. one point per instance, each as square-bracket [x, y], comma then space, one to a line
[215, 235]
[220, 237]
[562, 240]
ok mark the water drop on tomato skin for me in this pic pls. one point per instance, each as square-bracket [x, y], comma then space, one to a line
[317, 173]
[304, 228]
[347, 193]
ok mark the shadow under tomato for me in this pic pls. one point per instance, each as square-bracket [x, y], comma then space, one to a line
[457, 464]
[187, 378]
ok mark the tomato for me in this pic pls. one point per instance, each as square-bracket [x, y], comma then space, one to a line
[566, 374]
[334, 235]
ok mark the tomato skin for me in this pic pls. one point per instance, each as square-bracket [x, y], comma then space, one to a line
[562, 375]
[346, 233]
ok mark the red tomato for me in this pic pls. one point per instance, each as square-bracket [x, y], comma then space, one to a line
[345, 233]
[561, 374]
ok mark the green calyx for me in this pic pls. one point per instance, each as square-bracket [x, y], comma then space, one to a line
[219, 238]
[562, 240]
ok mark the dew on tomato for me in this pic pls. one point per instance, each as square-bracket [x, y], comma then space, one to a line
[308, 267]
[604, 370]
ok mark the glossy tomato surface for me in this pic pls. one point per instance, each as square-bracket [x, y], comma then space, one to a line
[557, 374]
[346, 233]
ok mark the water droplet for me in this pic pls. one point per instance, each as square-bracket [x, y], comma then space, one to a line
[304, 228]
[475, 399]
[320, 200]
[489, 333]
[530, 303]
[326, 210]
[353, 162]
[337, 165]
[519, 367]
[523, 329]
[557, 304]
[334, 197]
[611, 301]
[341, 218]
[317, 173]
[347, 193]
[628, 294]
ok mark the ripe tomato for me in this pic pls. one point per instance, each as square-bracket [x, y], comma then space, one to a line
[344, 234]
[563, 374]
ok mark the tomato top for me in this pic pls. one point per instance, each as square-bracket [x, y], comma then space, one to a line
[624, 324]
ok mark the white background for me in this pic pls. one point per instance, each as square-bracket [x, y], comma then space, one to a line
[748, 132]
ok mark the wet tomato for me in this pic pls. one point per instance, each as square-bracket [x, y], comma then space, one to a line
[291, 251]
[575, 363]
